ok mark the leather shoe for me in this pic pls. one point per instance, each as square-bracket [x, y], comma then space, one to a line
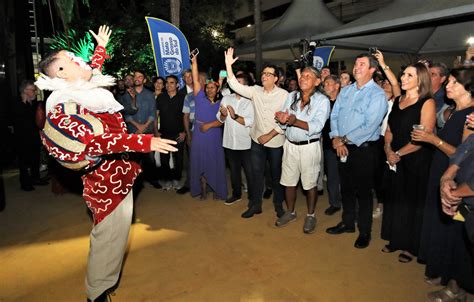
[250, 212]
[362, 241]
[331, 210]
[339, 229]
[183, 190]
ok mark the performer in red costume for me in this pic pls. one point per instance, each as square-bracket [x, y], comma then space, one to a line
[85, 131]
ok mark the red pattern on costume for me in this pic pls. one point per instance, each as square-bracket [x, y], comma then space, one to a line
[105, 184]
[98, 57]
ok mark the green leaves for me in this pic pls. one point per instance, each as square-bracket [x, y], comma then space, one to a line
[70, 41]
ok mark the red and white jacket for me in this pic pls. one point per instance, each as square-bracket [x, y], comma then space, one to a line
[95, 140]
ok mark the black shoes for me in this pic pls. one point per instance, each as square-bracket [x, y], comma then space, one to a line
[362, 241]
[182, 190]
[339, 229]
[232, 200]
[331, 210]
[250, 212]
[321, 192]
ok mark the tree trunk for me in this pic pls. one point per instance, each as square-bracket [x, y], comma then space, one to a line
[175, 7]
[258, 35]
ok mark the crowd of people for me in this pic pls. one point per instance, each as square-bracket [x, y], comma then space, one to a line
[402, 140]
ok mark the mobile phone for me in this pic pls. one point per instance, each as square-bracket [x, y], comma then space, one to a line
[373, 50]
[470, 41]
[223, 74]
[193, 53]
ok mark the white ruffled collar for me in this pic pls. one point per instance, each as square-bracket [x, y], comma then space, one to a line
[88, 94]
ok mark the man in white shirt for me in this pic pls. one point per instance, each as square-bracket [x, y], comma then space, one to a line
[267, 137]
[237, 114]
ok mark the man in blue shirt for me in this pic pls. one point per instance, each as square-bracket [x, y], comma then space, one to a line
[355, 128]
[142, 122]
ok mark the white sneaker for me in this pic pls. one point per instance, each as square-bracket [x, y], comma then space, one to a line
[377, 213]
[244, 187]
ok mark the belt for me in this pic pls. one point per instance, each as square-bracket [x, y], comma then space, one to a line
[363, 145]
[305, 142]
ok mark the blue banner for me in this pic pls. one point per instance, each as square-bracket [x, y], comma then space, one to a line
[322, 56]
[170, 47]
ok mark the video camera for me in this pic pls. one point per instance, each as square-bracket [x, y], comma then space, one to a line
[306, 57]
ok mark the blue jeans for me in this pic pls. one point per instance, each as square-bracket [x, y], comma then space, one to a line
[259, 156]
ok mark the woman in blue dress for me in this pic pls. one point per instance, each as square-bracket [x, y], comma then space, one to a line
[207, 153]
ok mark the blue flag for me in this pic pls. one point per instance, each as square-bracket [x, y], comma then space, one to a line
[322, 56]
[170, 47]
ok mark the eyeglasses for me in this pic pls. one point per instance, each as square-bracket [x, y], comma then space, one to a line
[267, 74]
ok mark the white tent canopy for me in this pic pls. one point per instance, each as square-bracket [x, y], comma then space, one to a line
[409, 26]
[302, 19]
[404, 26]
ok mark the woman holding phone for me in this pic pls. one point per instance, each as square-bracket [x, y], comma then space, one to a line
[207, 153]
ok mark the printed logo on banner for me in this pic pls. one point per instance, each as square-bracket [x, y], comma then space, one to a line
[170, 53]
[318, 62]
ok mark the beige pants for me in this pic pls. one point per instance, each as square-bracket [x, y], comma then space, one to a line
[108, 241]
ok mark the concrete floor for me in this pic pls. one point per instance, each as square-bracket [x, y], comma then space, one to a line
[183, 249]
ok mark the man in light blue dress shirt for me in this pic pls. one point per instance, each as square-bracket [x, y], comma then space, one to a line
[355, 128]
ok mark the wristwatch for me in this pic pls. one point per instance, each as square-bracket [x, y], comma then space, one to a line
[344, 140]
[236, 116]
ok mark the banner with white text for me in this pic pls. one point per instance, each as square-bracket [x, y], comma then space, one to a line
[170, 47]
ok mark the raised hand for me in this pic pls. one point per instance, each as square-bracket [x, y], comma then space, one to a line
[229, 56]
[379, 56]
[103, 35]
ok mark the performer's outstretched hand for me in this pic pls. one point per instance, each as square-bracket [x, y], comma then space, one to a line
[102, 36]
[163, 145]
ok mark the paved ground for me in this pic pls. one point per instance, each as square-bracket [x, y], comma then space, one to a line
[183, 249]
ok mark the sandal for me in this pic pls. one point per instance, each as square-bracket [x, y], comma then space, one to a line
[404, 258]
[388, 249]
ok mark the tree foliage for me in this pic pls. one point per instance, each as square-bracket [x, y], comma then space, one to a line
[203, 22]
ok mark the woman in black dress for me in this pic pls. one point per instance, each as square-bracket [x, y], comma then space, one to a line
[443, 246]
[403, 209]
